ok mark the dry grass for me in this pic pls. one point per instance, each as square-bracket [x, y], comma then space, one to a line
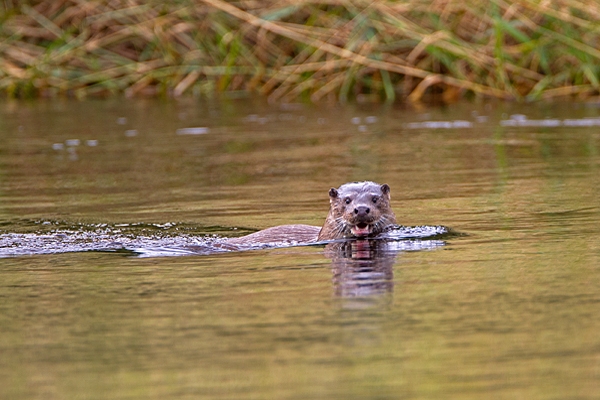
[319, 49]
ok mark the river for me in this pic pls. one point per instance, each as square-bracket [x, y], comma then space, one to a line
[98, 197]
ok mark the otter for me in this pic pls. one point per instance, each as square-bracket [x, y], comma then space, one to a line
[356, 210]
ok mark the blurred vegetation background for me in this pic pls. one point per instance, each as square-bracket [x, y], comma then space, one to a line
[292, 50]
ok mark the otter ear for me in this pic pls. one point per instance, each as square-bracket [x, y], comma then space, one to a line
[333, 193]
[385, 189]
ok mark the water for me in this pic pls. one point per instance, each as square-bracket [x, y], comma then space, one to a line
[505, 308]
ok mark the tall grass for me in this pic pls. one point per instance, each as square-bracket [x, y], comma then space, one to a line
[290, 49]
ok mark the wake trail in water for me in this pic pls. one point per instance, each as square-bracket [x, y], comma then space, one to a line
[159, 240]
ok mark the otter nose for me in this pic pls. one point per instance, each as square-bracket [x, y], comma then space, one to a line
[362, 211]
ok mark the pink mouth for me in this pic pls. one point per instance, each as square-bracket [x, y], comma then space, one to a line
[360, 230]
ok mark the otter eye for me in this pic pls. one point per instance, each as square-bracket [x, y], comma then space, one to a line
[347, 200]
[375, 199]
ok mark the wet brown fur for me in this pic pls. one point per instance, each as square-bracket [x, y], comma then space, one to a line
[283, 235]
[352, 204]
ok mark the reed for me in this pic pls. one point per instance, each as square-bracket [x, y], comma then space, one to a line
[302, 49]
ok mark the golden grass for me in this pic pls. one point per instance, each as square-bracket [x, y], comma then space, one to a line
[319, 49]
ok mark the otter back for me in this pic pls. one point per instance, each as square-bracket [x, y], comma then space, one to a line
[283, 235]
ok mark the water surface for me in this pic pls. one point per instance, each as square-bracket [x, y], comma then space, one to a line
[506, 309]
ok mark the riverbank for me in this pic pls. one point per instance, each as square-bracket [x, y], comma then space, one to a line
[319, 50]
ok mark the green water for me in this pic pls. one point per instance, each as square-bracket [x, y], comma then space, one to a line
[509, 309]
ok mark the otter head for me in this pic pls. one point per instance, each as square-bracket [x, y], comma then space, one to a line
[358, 209]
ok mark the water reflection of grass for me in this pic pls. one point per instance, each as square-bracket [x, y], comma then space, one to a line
[290, 50]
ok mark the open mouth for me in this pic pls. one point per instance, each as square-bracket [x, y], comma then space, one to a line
[361, 229]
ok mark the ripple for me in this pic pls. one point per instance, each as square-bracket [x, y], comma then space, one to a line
[413, 232]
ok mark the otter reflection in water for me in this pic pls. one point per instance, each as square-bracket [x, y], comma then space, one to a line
[361, 268]
[364, 267]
